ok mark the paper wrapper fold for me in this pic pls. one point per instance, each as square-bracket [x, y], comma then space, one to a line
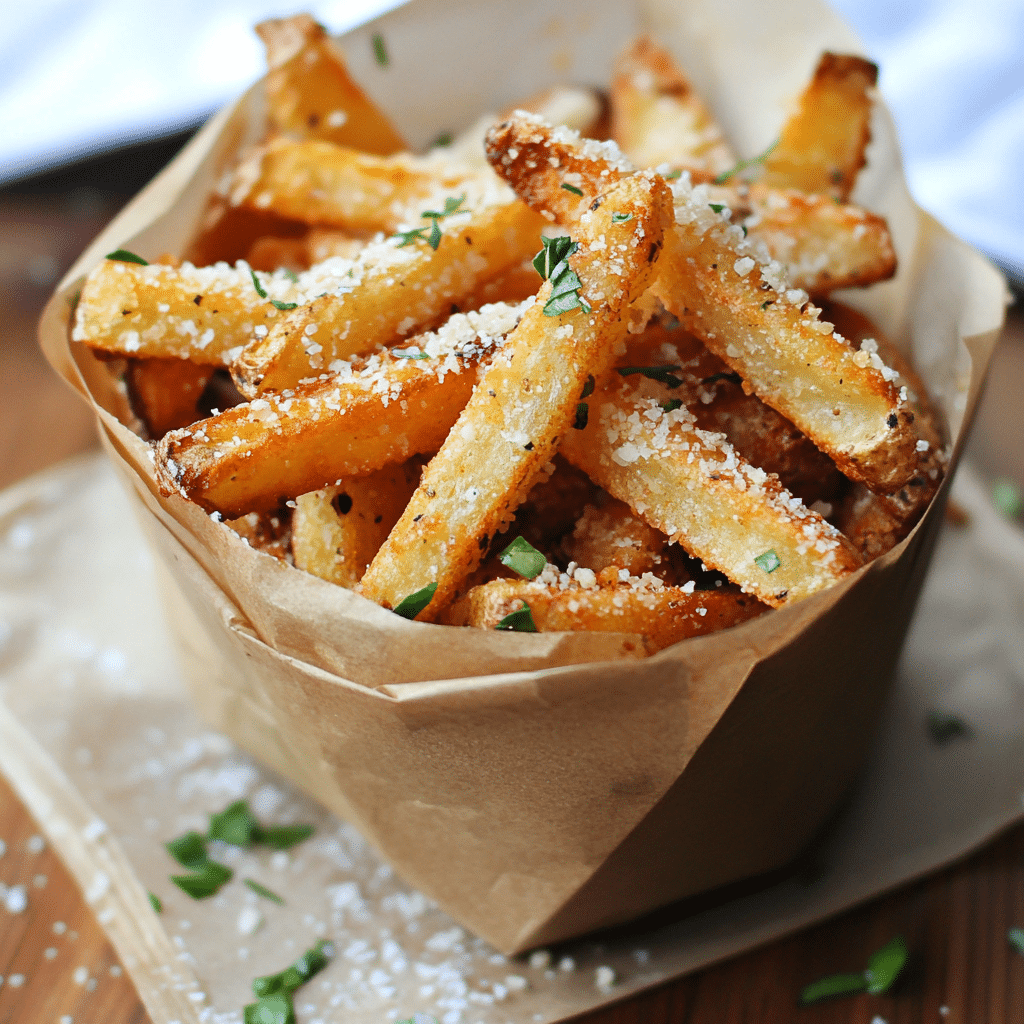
[539, 786]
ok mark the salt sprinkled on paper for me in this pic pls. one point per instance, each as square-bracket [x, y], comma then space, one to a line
[36, 844]
[16, 899]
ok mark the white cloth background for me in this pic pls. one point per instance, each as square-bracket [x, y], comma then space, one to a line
[81, 76]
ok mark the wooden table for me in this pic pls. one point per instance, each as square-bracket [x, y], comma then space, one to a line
[962, 968]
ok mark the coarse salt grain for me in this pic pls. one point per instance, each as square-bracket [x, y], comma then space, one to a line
[50, 953]
[16, 980]
[81, 975]
[59, 927]
[36, 844]
[16, 899]
[567, 964]
[540, 959]
[249, 919]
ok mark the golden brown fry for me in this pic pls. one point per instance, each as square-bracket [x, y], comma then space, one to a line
[744, 310]
[323, 243]
[525, 401]
[391, 292]
[694, 487]
[269, 532]
[664, 615]
[612, 535]
[658, 118]
[165, 393]
[204, 314]
[271, 253]
[555, 504]
[822, 145]
[310, 93]
[337, 531]
[379, 411]
[823, 245]
[320, 183]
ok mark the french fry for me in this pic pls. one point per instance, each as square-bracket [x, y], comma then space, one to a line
[658, 118]
[526, 400]
[379, 411]
[321, 183]
[271, 253]
[323, 243]
[743, 309]
[336, 531]
[165, 393]
[612, 535]
[822, 145]
[310, 93]
[664, 615]
[268, 532]
[693, 486]
[392, 291]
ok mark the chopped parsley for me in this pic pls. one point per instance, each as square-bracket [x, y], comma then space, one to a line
[733, 378]
[520, 621]
[672, 404]
[380, 51]
[769, 561]
[565, 284]
[883, 969]
[189, 850]
[662, 374]
[155, 902]
[235, 825]
[672, 175]
[554, 252]
[205, 881]
[744, 164]
[621, 218]
[408, 353]
[444, 139]
[274, 991]
[943, 727]
[522, 557]
[717, 207]
[572, 188]
[433, 239]
[1015, 936]
[124, 256]
[284, 837]
[409, 607]
[582, 416]
[262, 890]
[588, 387]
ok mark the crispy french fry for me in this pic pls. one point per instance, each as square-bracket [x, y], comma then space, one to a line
[744, 310]
[165, 393]
[555, 504]
[664, 615]
[205, 314]
[310, 93]
[271, 253]
[379, 411]
[822, 145]
[323, 243]
[612, 535]
[527, 398]
[658, 118]
[268, 532]
[320, 183]
[693, 486]
[336, 531]
[392, 291]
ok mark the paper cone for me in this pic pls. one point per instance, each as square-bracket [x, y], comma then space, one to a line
[538, 786]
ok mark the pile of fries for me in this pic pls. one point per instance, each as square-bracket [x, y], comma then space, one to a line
[533, 380]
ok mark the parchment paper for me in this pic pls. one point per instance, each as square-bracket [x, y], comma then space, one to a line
[90, 693]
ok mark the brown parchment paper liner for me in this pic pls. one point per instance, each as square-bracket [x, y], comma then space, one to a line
[568, 782]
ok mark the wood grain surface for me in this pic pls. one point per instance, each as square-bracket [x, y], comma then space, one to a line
[962, 969]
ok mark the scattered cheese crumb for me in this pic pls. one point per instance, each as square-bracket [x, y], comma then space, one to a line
[16, 980]
[36, 844]
[16, 899]
[567, 964]
[59, 927]
[81, 975]
[516, 983]
[249, 920]
[605, 977]
[50, 953]
[540, 959]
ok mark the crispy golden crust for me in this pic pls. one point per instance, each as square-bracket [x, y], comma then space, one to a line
[165, 393]
[525, 401]
[656, 117]
[310, 94]
[391, 292]
[612, 535]
[378, 411]
[822, 145]
[664, 615]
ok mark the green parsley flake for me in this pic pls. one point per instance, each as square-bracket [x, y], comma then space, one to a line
[572, 188]
[554, 252]
[621, 218]
[565, 285]
[204, 882]
[588, 387]
[522, 557]
[309, 964]
[124, 256]
[717, 207]
[284, 837]
[155, 902]
[260, 290]
[1006, 496]
[662, 374]
[672, 404]
[380, 51]
[284, 305]
[235, 825]
[744, 164]
[672, 175]
[409, 607]
[582, 416]
[291, 275]
[769, 561]
[451, 205]
[408, 353]
[444, 139]
[520, 621]
[883, 969]
[943, 727]
[189, 850]
[276, 1008]
[1015, 936]
[262, 890]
